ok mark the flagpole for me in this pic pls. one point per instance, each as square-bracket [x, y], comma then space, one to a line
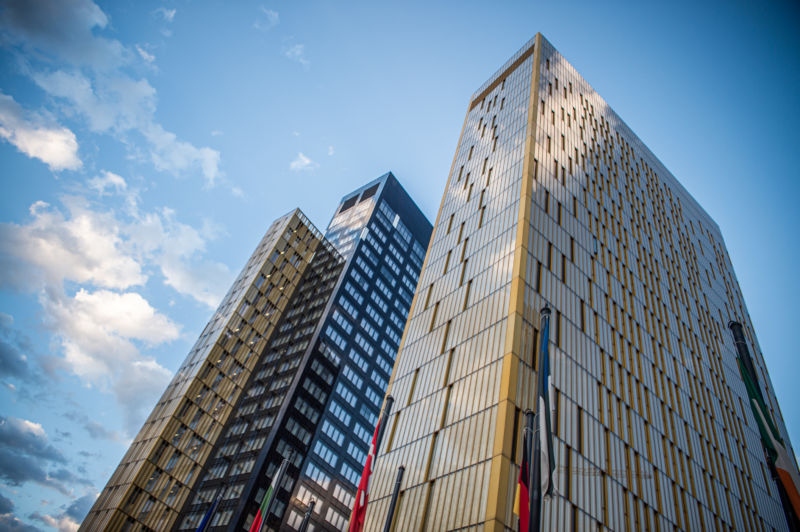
[307, 517]
[388, 526]
[387, 411]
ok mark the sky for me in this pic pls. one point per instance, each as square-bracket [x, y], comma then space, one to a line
[146, 146]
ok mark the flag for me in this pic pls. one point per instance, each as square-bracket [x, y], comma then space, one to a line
[266, 502]
[543, 464]
[771, 439]
[209, 514]
[544, 443]
[362, 494]
[522, 498]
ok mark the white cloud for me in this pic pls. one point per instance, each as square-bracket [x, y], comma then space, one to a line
[54, 145]
[111, 104]
[93, 85]
[302, 163]
[297, 52]
[176, 248]
[330, 150]
[266, 19]
[166, 14]
[120, 104]
[128, 314]
[174, 156]
[85, 247]
[62, 523]
[144, 54]
[107, 180]
[103, 326]
[99, 332]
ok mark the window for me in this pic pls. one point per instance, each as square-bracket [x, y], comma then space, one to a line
[363, 265]
[346, 394]
[332, 432]
[354, 451]
[362, 433]
[315, 474]
[359, 361]
[350, 474]
[378, 233]
[368, 414]
[369, 329]
[374, 315]
[148, 504]
[324, 452]
[343, 496]
[364, 344]
[335, 337]
[363, 283]
[342, 321]
[335, 518]
[348, 372]
[377, 379]
[298, 431]
[350, 289]
[385, 290]
[348, 307]
[373, 396]
[379, 301]
[384, 364]
[393, 335]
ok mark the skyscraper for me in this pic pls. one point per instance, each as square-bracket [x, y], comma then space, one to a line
[293, 364]
[315, 397]
[551, 199]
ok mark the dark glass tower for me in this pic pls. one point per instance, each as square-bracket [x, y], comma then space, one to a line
[315, 394]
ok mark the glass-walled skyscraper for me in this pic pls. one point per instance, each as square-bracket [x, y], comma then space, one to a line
[553, 200]
[315, 396]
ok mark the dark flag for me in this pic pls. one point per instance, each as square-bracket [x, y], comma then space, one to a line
[207, 518]
[543, 462]
[777, 455]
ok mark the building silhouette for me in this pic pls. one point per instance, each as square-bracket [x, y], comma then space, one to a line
[552, 199]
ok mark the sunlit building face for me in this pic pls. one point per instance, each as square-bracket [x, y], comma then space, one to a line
[552, 199]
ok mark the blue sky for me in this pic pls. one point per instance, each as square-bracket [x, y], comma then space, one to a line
[146, 146]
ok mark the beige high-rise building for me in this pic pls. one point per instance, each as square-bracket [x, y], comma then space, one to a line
[552, 199]
[159, 470]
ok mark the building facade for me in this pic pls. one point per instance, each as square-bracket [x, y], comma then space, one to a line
[552, 199]
[315, 394]
[163, 463]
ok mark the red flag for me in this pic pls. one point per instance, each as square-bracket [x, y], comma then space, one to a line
[360, 508]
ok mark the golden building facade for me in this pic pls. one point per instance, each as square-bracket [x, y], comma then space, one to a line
[159, 470]
[552, 199]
